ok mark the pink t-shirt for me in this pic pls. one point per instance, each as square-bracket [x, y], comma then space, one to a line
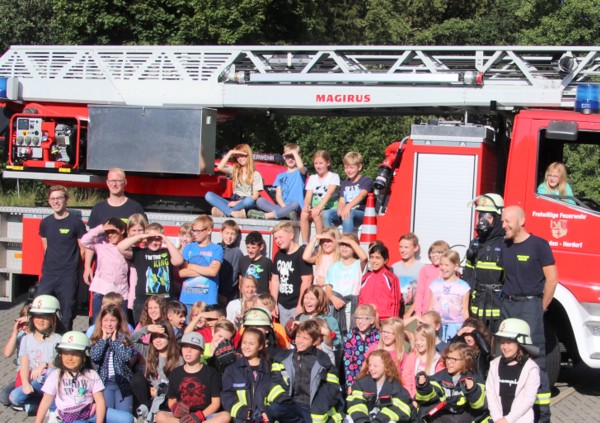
[393, 354]
[428, 274]
[321, 270]
[447, 299]
[73, 395]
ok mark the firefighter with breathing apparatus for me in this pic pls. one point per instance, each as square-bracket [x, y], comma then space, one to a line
[484, 270]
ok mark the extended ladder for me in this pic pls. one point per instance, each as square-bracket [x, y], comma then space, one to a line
[349, 78]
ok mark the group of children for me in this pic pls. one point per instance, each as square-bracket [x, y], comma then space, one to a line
[322, 331]
[322, 199]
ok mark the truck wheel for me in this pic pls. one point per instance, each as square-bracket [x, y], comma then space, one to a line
[552, 353]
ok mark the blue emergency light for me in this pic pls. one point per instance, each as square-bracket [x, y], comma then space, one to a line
[3, 88]
[587, 99]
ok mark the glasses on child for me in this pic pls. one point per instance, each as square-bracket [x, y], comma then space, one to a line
[197, 231]
[453, 359]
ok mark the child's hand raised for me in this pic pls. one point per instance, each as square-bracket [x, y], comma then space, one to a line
[156, 329]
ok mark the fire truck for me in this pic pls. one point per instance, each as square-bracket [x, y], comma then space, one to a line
[72, 112]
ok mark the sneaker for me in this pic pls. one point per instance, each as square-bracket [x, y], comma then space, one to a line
[18, 407]
[142, 411]
[256, 214]
[216, 212]
[51, 417]
[239, 214]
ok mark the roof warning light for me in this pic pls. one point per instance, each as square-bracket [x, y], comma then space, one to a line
[588, 99]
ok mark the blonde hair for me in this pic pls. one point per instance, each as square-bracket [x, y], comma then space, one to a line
[265, 300]
[59, 188]
[562, 177]
[453, 257]
[397, 326]
[322, 154]
[441, 244]
[204, 220]
[333, 232]
[136, 219]
[352, 158]
[198, 306]
[371, 311]
[245, 175]
[185, 229]
[283, 226]
[291, 146]
[155, 226]
[428, 332]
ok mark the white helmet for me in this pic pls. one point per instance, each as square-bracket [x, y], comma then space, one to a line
[516, 329]
[73, 341]
[258, 316]
[44, 304]
[491, 203]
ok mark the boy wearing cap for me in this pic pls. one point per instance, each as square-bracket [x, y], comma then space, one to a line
[194, 388]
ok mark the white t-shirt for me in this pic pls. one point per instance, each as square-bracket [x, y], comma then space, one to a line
[319, 187]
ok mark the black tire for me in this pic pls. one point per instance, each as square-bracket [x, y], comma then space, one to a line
[552, 353]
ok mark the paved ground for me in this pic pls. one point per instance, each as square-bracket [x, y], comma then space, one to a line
[576, 397]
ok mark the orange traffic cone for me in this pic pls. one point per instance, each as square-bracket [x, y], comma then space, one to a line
[368, 232]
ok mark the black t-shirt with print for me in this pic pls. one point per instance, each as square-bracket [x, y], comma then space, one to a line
[196, 390]
[261, 269]
[290, 268]
[154, 272]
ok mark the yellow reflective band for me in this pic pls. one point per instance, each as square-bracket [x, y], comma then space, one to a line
[488, 265]
[358, 408]
[277, 367]
[402, 406]
[425, 398]
[355, 396]
[480, 402]
[490, 312]
[242, 401]
[461, 401]
[331, 378]
[274, 393]
[336, 416]
[318, 418]
[391, 415]
[469, 265]
[543, 398]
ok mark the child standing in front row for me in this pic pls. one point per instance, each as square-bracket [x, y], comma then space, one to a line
[514, 375]
[321, 194]
[450, 296]
[75, 387]
[289, 193]
[377, 395]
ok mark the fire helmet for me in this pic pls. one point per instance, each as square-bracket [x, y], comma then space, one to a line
[44, 304]
[73, 341]
[258, 316]
[516, 329]
[491, 203]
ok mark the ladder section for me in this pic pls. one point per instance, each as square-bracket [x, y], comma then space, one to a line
[302, 77]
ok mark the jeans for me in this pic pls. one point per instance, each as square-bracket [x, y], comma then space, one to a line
[64, 288]
[223, 204]
[5, 393]
[279, 211]
[18, 397]
[285, 314]
[114, 398]
[331, 218]
[290, 412]
[112, 416]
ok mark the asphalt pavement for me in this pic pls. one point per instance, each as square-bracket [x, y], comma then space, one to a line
[576, 397]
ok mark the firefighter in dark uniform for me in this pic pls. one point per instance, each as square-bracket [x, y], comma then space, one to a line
[483, 270]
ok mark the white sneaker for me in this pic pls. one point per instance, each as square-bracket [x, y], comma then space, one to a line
[51, 417]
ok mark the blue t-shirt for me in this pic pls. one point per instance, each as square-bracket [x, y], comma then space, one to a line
[201, 288]
[292, 186]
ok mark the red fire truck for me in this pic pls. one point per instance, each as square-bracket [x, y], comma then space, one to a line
[71, 113]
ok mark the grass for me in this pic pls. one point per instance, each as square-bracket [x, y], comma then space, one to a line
[78, 198]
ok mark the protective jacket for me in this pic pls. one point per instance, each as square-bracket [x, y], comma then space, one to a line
[325, 392]
[391, 404]
[485, 274]
[453, 401]
[244, 395]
